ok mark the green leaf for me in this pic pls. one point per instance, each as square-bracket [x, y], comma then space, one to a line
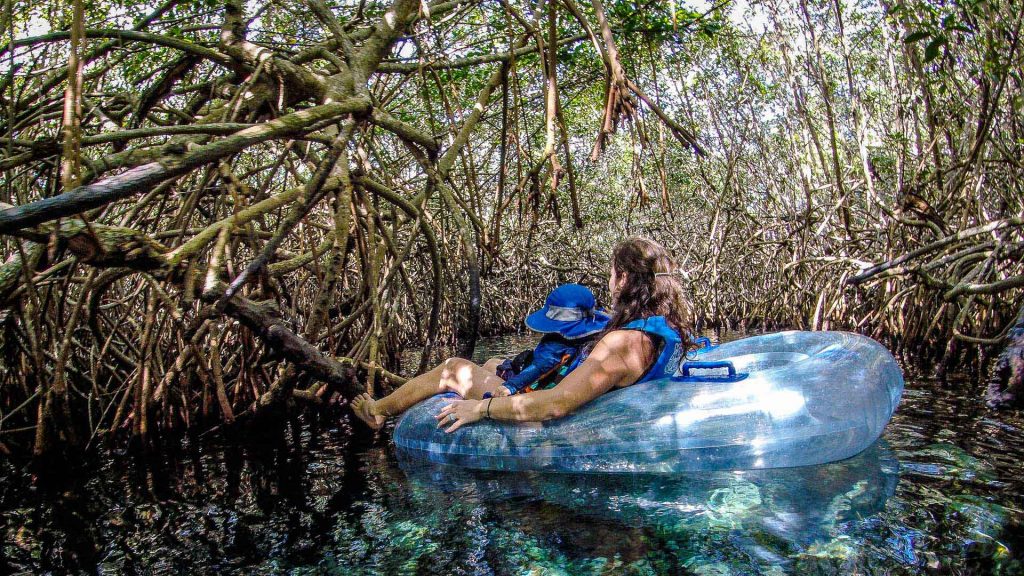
[915, 36]
[931, 52]
[711, 28]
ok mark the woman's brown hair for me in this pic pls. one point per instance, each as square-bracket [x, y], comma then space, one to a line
[651, 288]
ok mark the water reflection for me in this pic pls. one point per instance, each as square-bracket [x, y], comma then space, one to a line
[799, 505]
[305, 502]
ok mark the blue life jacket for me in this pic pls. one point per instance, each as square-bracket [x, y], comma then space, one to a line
[666, 341]
[553, 352]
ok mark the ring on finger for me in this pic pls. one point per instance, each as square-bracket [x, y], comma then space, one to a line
[452, 417]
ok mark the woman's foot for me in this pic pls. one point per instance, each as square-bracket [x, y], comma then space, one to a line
[363, 406]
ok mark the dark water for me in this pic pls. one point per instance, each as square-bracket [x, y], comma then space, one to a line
[940, 494]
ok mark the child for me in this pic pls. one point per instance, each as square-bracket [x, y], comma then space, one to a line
[568, 320]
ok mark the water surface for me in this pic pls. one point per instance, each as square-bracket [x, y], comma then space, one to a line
[940, 494]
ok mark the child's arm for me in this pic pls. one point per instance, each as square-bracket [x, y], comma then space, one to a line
[546, 356]
[528, 376]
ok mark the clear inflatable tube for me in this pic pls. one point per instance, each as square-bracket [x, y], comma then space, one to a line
[789, 399]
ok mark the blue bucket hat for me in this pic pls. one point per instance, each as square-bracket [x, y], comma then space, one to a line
[570, 311]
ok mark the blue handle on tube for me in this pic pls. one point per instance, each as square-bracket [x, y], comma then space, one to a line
[730, 376]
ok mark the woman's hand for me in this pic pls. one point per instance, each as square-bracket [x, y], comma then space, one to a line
[459, 412]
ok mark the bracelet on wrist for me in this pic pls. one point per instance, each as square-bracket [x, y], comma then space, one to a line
[488, 415]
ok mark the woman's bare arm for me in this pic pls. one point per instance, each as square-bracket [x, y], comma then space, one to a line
[618, 360]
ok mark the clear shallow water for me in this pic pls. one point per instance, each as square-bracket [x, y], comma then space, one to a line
[941, 494]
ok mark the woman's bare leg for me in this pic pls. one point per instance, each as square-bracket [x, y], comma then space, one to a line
[491, 367]
[492, 364]
[453, 375]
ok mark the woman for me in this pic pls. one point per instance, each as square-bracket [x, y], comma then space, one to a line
[644, 340]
